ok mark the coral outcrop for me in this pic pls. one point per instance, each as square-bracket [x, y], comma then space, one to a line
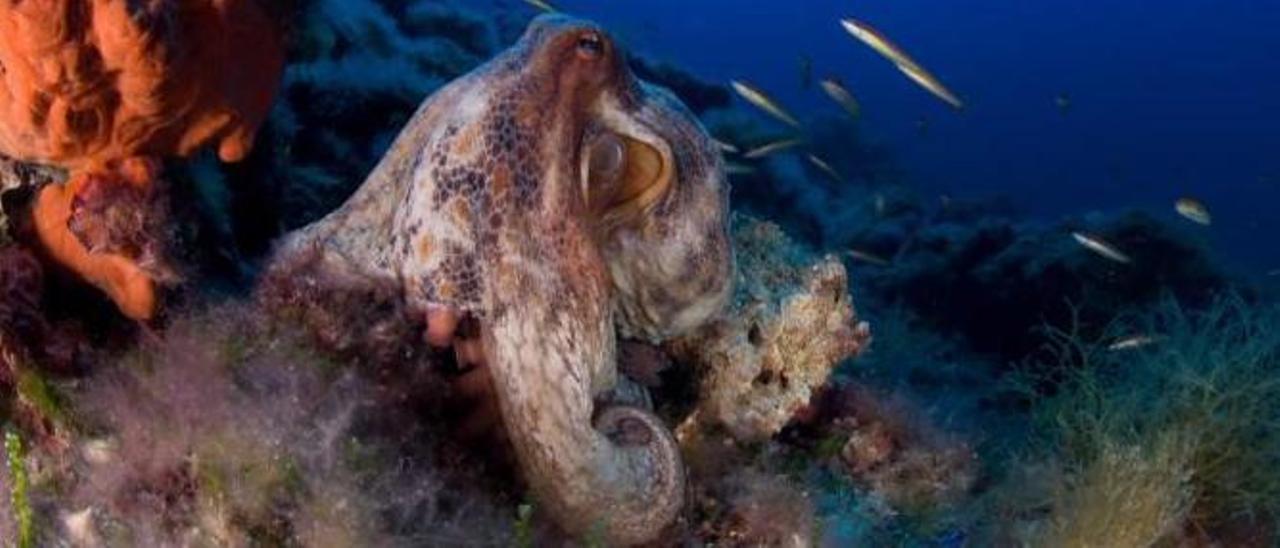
[790, 323]
[102, 88]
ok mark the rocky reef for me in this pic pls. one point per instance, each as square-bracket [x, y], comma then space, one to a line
[791, 322]
[398, 372]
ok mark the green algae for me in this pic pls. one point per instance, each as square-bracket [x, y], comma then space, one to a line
[18, 491]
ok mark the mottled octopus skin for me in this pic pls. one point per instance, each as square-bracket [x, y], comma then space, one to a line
[481, 206]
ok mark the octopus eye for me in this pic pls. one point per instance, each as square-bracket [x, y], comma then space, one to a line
[624, 176]
[607, 161]
[590, 45]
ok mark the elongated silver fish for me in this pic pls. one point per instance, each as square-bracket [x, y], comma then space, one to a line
[842, 97]
[772, 148]
[736, 169]
[542, 5]
[724, 147]
[908, 66]
[823, 166]
[1101, 247]
[1132, 342]
[867, 257]
[763, 102]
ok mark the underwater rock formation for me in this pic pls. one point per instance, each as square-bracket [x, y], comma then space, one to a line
[896, 454]
[790, 323]
[103, 87]
[481, 209]
[994, 280]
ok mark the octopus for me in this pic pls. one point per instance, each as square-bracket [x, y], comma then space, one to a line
[556, 204]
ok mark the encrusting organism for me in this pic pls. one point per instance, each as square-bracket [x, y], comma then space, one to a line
[106, 89]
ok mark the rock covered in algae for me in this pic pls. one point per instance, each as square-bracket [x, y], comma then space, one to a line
[791, 322]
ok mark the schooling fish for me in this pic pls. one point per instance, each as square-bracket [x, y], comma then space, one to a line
[764, 102]
[825, 168]
[542, 5]
[772, 148]
[867, 257]
[1101, 247]
[908, 66]
[1132, 342]
[842, 97]
[725, 147]
[1194, 210]
[732, 168]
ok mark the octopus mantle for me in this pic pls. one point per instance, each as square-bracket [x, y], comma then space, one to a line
[558, 200]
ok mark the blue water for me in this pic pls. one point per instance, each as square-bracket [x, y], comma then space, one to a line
[1169, 98]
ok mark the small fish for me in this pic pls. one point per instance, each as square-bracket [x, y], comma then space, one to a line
[1063, 102]
[908, 66]
[1132, 342]
[1194, 210]
[772, 148]
[1101, 247]
[842, 97]
[725, 147]
[806, 72]
[825, 167]
[1275, 272]
[542, 5]
[881, 204]
[735, 169]
[764, 102]
[867, 257]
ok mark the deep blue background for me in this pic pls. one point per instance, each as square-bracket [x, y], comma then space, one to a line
[1169, 98]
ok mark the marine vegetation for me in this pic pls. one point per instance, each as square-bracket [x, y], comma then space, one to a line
[1172, 440]
[447, 273]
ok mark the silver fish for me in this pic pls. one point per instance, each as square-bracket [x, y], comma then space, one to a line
[842, 97]
[762, 101]
[1132, 342]
[867, 257]
[772, 148]
[733, 169]
[1101, 247]
[542, 5]
[725, 147]
[1194, 210]
[908, 66]
[825, 167]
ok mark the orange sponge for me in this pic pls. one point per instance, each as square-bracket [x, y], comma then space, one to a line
[120, 277]
[95, 86]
